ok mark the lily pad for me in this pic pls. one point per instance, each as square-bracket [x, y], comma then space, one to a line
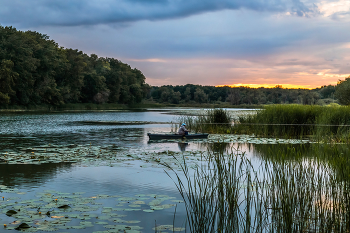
[11, 212]
[22, 226]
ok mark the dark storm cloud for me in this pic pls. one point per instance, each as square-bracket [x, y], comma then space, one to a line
[90, 12]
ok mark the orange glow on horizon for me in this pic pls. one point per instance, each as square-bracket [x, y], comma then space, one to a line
[285, 86]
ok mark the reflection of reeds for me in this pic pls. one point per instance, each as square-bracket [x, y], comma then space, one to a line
[305, 196]
[225, 194]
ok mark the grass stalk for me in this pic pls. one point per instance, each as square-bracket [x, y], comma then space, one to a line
[225, 193]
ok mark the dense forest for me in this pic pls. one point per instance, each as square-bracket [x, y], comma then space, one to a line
[35, 70]
[242, 95]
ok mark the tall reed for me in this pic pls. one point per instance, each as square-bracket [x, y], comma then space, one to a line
[226, 194]
[276, 120]
[334, 123]
[321, 122]
[214, 121]
[222, 195]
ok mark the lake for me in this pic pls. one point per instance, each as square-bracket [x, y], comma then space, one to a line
[67, 172]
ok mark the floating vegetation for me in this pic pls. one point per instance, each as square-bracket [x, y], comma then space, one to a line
[53, 211]
[121, 122]
[58, 154]
[236, 138]
[171, 228]
[229, 138]
[111, 155]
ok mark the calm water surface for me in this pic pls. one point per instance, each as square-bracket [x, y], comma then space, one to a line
[23, 130]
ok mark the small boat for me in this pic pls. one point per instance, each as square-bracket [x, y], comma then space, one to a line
[153, 136]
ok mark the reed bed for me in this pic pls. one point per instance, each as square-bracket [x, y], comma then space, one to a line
[334, 123]
[321, 122]
[214, 121]
[225, 193]
[214, 198]
[276, 120]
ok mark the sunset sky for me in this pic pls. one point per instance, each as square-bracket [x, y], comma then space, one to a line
[292, 43]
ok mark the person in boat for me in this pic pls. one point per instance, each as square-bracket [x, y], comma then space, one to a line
[182, 130]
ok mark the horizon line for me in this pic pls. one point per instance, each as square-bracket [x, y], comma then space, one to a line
[283, 86]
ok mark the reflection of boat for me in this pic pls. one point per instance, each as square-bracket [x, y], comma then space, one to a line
[153, 136]
[182, 145]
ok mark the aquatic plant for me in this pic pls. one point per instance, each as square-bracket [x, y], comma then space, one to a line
[323, 123]
[54, 211]
[213, 121]
[280, 120]
[225, 194]
[334, 124]
[215, 198]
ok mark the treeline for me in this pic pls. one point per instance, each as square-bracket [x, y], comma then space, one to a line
[35, 70]
[241, 95]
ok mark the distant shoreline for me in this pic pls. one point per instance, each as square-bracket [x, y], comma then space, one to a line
[115, 107]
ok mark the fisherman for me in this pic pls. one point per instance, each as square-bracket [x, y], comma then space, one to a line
[182, 130]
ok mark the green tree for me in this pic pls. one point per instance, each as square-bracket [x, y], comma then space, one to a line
[95, 88]
[35, 70]
[17, 47]
[234, 96]
[176, 97]
[200, 96]
[165, 94]
[342, 91]
[49, 57]
[70, 80]
[7, 81]
[187, 94]
[327, 91]
[113, 80]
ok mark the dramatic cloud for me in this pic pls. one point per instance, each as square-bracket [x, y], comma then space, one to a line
[202, 41]
[92, 12]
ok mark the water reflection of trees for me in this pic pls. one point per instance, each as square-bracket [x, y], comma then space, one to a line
[22, 174]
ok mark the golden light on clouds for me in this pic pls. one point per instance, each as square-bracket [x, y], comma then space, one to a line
[329, 8]
[338, 76]
[288, 73]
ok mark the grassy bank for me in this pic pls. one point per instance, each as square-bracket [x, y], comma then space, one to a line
[321, 122]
